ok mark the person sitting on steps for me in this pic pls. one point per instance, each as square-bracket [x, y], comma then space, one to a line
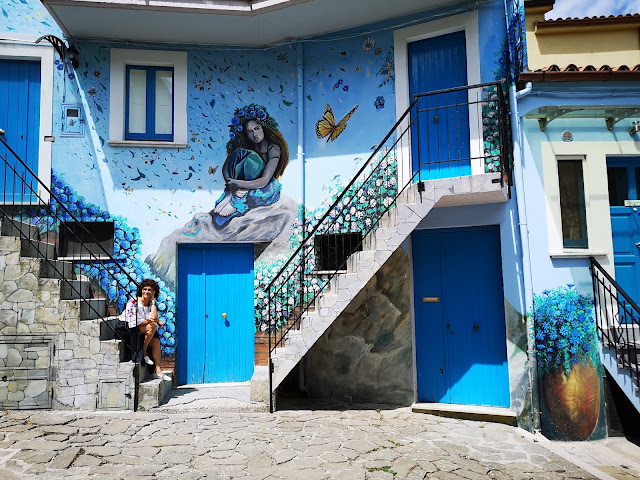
[143, 314]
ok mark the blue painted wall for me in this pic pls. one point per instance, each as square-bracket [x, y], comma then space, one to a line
[154, 192]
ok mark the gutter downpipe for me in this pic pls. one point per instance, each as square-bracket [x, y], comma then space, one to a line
[301, 161]
[527, 276]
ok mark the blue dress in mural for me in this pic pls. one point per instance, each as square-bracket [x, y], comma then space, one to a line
[247, 164]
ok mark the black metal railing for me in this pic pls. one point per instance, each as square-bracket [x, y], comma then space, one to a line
[617, 319]
[39, 217]
[443, 132]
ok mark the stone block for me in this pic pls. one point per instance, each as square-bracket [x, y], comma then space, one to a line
[8, 286]
[20, 295]
[65, 354]
[35, 388]
[9, 317]
[13, 258]
[29, 281]
[14, 358]
[48, 316]
[15, 396]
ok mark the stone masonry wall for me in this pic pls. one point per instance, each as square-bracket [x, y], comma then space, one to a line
[32, 314]
[365, 356]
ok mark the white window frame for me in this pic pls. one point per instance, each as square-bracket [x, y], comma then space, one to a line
[466, 22]
[44, 54]
[120, 58]
[596, 193]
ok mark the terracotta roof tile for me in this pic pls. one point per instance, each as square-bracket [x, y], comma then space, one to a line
[573, 72]
[601, 17]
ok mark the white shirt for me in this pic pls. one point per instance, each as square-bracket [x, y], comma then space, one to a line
[135, 317]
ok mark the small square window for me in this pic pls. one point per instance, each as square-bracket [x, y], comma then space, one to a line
[572, 204]
[149, 103]
[333, 249]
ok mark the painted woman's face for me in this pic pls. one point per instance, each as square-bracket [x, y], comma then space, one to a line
[254, 131]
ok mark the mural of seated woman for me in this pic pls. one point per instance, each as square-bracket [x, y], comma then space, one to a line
[257, 156]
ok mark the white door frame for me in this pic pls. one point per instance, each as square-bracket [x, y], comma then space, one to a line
[43, 53]
[467, 22]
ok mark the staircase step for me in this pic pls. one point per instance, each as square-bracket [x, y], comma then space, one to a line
[93, 308]
[75, 289]
[36, 249]
[154, 392]
[57, 269]
[14, 228]
[107, 333]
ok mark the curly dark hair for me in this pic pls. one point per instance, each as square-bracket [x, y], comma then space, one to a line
[148, 283]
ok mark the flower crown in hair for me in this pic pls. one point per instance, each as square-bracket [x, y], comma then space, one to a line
[241, 116]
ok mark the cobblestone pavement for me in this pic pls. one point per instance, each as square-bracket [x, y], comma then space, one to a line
[306, 445]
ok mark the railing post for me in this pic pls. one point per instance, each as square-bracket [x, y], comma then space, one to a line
[270, 365]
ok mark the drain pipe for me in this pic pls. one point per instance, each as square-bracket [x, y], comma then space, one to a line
[301, 161]
[527, 275]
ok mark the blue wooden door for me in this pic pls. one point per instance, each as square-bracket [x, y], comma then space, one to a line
[461, 346]
[20, 119]
[624, 186]
[215, 313]
[440, 130]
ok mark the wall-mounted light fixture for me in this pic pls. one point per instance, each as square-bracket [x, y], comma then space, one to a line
[72, 55]
[635, 128]
[64, 53]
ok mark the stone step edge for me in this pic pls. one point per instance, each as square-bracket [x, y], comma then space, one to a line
[468, 412]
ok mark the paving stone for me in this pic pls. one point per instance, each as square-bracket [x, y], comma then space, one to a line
[86, 461]
[65, 458]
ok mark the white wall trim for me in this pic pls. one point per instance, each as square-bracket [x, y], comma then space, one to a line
[467, 22]
[44, 54]
[120, 58]
[594, 162]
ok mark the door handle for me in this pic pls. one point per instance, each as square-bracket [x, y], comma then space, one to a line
[476, 327]
[224, 315]
[2, 132]
[638, 244]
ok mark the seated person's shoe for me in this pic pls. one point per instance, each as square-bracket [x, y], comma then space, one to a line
[162, 376]
[147, 360]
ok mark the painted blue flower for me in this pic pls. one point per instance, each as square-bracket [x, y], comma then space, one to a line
[345, 88]
[379, 103]
[240, 128]
[251, 114]
[240, 113]
[60, 66]
[232, 135]
[262, 114]
[235, 121]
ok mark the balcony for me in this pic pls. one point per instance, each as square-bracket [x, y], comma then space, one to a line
[223, 22]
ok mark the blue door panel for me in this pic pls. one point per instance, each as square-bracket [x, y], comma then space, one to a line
[191, 315]
[440, 133]
[430, 355]
[466, 328]
[20, 118]
[625, 229]
[216, 322]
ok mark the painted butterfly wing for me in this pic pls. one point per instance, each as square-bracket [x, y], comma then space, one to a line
[339, 128]
[326, 124]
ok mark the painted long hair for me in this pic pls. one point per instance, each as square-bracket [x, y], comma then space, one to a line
[238, 133]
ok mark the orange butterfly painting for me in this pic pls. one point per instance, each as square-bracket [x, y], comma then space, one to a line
[326, 126]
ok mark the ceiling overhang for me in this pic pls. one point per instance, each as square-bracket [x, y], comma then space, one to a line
[224, 22]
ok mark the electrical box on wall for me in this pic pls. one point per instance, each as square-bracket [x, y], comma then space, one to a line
[72, 120]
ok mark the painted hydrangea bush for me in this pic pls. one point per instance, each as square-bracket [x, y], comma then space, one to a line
[127, 251]
[564, 329]
[358, 211]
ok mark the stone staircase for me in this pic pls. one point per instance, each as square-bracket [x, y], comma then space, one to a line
[393, 229]
[55, 351]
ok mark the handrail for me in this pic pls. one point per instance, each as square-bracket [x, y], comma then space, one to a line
[108, 257]
[289, 294]
[615, 284]
[337, 201]
[624, 340]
